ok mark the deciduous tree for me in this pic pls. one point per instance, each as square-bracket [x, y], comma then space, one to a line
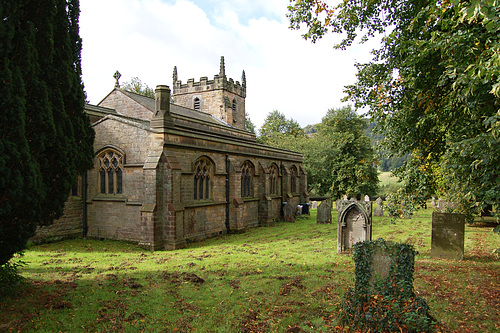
[433, 86]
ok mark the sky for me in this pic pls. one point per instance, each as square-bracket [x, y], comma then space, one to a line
[147, 38]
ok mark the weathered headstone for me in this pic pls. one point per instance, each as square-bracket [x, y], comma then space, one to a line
[314, 205]
[324, 212]
[288, 212]
[384, 276]
[379, 210]
[367, 198]
[354, 224]
[433, 202]
[448, 233]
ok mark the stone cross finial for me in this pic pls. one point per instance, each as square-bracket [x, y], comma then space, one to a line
[174, 76]
[117, 77]
[222, 71]
[243, 79]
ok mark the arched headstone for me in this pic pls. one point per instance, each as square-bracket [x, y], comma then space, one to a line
[354, 224]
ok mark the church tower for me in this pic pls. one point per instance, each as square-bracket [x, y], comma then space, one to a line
[221, 97]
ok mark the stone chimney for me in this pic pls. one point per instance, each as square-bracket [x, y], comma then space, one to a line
[162, 118]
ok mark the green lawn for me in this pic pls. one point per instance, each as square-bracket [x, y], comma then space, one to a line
[286, 278]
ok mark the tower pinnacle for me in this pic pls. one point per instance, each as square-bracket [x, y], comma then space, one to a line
[222, 71]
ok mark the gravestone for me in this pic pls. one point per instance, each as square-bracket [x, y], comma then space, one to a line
[433, 202]
[314, 205]
[384, 276]
[354, 224]
[367, 198]
[324, 215]
[448, 233]
[379, 210]
[288, 212]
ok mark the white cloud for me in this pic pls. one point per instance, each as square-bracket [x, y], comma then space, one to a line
[147, 38]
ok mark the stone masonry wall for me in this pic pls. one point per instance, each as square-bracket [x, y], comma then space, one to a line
[116, 100]
[70, 225]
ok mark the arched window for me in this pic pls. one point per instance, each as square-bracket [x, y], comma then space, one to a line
[202, 175]
[274, 175]
[293, 179]
[247, 172]
[110, 167]
[196, 104]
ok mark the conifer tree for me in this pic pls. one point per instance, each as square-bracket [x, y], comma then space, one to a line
[46, 137]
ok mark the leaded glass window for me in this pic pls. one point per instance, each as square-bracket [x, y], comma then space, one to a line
[110, 168]
[247, 172]
[202, 177]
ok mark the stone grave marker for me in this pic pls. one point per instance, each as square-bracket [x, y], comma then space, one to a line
[314, 205]
[448, 234]
[433, 202]
[288, 212]
[379, 210]
[367, 198]
[324, 215]
[354, 224]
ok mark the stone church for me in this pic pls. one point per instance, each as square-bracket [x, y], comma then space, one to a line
[179, 167]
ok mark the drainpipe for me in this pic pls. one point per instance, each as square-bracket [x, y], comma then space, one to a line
[227, 194]
[84, 198]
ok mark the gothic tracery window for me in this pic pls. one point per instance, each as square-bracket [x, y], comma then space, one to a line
[274, 175]
[247, 172]
[202, 175]
[293, 179]
[110, 166]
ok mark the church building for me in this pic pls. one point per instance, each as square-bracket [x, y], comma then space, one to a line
[179, 167]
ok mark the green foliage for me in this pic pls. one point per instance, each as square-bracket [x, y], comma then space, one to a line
[433, 87]
[347, 153]
[46, 137]
[385, 304]
[276, 124]
[10, 279]
[249, 125]
[135, 85]
[338, 158]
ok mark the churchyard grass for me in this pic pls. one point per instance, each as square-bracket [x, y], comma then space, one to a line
[286, 278]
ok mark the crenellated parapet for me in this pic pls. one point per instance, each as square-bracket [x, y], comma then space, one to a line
[221, 96]
[204, 84]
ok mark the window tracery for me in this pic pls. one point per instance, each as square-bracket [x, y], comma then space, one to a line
[202, 175]
[110, 168]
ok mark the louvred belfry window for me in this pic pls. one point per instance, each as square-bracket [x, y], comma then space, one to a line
[110, 180]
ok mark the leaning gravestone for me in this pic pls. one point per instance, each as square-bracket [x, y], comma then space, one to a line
[288, 212]
[448, 233]
[379, 211]
[324, 215]
[354, 224]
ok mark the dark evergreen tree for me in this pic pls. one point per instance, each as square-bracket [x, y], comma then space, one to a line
[46, 137]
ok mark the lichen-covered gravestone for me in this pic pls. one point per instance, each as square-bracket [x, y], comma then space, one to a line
[448, 233]
[379, 211]
[324, 215]
[383, 298]
[354, 224]
[288, 212]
